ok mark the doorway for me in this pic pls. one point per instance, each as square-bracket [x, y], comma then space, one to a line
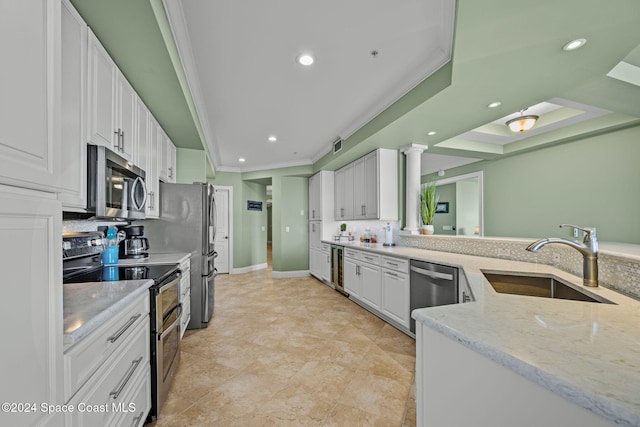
[224, 241]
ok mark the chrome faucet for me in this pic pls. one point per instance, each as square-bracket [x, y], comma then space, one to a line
[588, 249]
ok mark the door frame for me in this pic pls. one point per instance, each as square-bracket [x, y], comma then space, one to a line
[230, 213]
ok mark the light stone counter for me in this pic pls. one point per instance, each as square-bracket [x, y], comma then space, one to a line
[89, 305]
[589, 353]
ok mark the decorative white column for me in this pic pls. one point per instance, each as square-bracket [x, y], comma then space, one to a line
[412, 211]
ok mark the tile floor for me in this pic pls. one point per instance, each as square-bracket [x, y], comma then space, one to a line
[291, 352]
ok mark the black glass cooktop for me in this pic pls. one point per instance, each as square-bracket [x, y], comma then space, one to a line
[112, 273]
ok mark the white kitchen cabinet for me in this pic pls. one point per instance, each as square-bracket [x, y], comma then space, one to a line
[368, 187]
[111, 366]
[30, 112]
[314, 197]
[111, 103]
[31, 303]
[166, 158]
[324, 261]
[185, 295]
[73, 192]
[350, 278]
[371, 284]
[152, 163]
[321, 200]
[343, 193]
[395, 290]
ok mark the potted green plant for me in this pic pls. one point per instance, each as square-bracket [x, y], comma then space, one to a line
[428, 202]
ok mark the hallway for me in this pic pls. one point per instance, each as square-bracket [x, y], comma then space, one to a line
[291, 352]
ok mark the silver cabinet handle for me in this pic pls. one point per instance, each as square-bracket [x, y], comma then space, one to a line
[137, 419]
[170, 172]
[313, 228]
[117, 335]
[152, 198]
[363, 210]
[134, 366]
[117, 142]
[465, 297]
[392, 263]
[391, 274]
[368, 258]
[341, 212]
[122, 141]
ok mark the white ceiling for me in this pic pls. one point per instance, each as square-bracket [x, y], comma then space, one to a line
[239, 59]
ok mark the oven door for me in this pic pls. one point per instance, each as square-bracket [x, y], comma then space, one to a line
[167, 304]
[168, 357]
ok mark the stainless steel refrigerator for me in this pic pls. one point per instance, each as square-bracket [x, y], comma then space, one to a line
[187, 223]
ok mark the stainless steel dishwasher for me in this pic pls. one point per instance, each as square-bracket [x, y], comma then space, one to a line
[431, 285]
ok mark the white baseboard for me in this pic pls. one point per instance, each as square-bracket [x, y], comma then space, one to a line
[250, 268]
[288, 274]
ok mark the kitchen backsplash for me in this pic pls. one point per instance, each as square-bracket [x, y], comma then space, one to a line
[375, 227]
[616, 270]
[85, 225]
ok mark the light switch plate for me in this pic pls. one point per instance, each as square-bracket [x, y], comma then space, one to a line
[302, 212]
[263, 228]
[286, 229]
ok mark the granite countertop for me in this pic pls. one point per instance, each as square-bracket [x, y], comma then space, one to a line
[89, 305]
[586, 352]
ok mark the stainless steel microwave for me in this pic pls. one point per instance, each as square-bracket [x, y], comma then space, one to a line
[115, 187]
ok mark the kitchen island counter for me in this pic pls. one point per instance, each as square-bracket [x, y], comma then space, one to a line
[585, 352]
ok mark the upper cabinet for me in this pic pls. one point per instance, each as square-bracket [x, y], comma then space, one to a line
[73, 193]
[368, 187]
[111, 121]
[166, 157]
[30, 92]
[320, 197]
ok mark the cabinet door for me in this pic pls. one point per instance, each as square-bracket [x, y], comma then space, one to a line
[30, 92]
[338, 195]
[315, 234]
[348, 192]
[325, 266]
[163, 173]
[371, 186]
[102, 96]
[359, 189]
[395, 296]
[32, 368]
[314, 266]
[350, 278]
[141, 137]
[314, 197]
[73, 147]
[126, 124]
[171, 161]
[371, 285]
[151, 178]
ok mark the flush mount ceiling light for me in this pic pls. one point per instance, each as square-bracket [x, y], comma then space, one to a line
[522, 123]
[494, 104]
[433, 132]
[574, 44]
[272, 138]
[305, 59]
[241, 159]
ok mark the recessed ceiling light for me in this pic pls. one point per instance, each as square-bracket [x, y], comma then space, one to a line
[431, 133]
[305, 59]
[574, 44]
[272, 138]
[241, 159]
[494, 104]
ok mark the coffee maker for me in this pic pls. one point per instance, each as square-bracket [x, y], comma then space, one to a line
[134, 245]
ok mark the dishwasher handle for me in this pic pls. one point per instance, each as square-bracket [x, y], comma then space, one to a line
[433, 274]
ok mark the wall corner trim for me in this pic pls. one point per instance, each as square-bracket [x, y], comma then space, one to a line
[289, 274]
[249, 268]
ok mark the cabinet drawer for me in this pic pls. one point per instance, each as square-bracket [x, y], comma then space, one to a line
[401, 265]
[84, 358]
[325, 247]
[370, 258]
[137, 406]
[351, 253]
[110, 390]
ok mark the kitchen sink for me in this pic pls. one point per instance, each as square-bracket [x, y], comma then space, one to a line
[539, 286]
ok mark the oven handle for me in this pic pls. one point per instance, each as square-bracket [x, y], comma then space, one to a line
[174, 324]
[171, 283]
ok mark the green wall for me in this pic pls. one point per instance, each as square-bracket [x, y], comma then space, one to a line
[191, 166]
[588, 182]
[290, 195]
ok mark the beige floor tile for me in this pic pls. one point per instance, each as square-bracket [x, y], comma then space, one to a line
[291, 352]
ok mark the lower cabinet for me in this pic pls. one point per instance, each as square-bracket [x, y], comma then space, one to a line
[380, 284]
[320, 263]
[108, 373]
[395, 296]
